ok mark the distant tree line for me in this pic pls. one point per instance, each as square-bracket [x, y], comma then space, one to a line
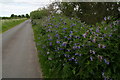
[20, 16]
[13, 16]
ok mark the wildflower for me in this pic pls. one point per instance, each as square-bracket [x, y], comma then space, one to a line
[91, 58]
[110, 35]
[84, 35]
[50, 43]
[105, 28]
[106, 61]
[56, 35]
[105, 18]
[78, 47]
[90, 51]
[64, 28]
[65, 36]
[74, 47]
[97, 30]
[71, 32]
[70, 59]
[68, 38]
[56, 26]
[100, 57]
[80, 54]
[58, 42]
[94, 40]
[73, 58]
[76, 53]
[70, 35]
[64, 43]
[68, 50]
[99, 45]
[49, 58]
[110, 25]
[48, 52]
[103, 46]
[93, 52]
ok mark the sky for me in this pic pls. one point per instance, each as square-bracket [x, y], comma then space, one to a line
[18, 7]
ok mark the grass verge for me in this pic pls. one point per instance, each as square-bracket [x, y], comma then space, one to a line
[8, 24]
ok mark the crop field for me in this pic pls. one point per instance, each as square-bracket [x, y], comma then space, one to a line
[9, 23]
[69, 48]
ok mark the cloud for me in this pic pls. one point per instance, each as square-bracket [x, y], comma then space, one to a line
[8, 7]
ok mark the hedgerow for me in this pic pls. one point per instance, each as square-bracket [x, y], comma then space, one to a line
[69, 48]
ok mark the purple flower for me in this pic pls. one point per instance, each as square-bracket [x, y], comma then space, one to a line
[50, 43]
[56, 35]
[110, 35]
[105, 18]
[105, 28]
[68, 50]
[50, 39]
[56, 26]
[71, 32]
[68, 38]
[64, 43]
[84, 35]
[58, 42]
[99, 45]
[93, 52]
[74, 47]
[97, 30]
[103, 46]
[80, 54]
[94, 40]
[64, 28]
[76, 54]
[65, 36]
[70, 35]
[70, 59]
[78, 47]
[73, 58]
[91, 58]
[107, 62]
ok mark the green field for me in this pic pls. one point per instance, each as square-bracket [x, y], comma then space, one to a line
[7, 24]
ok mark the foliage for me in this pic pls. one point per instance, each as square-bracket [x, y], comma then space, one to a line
[90, 12]
[71, 49]
[38, 14]
[7, 24]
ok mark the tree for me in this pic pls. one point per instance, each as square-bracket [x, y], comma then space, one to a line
[12, 15]
[27, 16]
[19, 16]
[23, 15]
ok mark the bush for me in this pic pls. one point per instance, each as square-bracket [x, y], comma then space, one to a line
[71, 49]
[38, 14]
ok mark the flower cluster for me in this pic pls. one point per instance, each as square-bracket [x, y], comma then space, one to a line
[69, 41]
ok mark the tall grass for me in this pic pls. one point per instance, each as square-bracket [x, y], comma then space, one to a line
[9, 23]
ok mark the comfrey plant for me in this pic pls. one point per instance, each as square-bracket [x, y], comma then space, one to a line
[73, 48]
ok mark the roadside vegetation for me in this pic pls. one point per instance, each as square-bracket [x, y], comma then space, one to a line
[9, 23]
[74, 47]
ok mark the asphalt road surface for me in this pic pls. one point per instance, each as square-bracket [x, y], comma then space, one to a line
[19, 55]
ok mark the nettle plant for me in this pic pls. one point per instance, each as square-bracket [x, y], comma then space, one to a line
[80, 51]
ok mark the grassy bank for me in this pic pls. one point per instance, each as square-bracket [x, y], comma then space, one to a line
[9, 23]
[71, 49]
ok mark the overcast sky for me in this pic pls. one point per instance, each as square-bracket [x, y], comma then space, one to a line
[8, 7]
